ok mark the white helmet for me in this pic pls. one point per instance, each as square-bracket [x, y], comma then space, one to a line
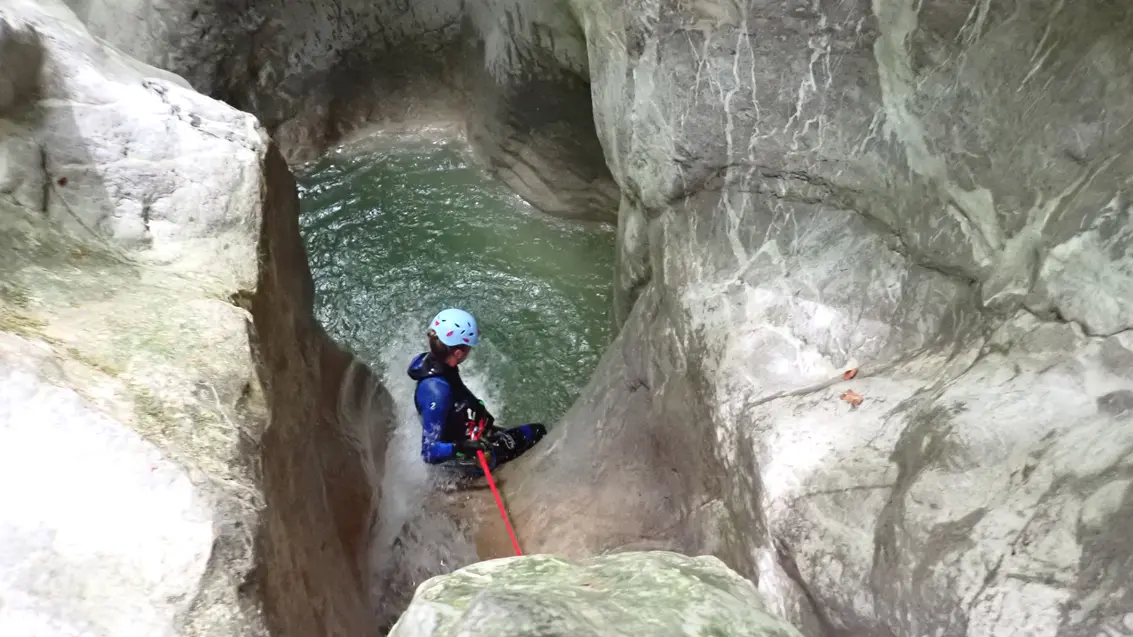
[455, 327]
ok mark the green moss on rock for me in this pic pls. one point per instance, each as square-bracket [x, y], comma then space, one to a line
[624, 594]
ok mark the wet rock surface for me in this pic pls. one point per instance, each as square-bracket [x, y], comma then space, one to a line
[323, 454]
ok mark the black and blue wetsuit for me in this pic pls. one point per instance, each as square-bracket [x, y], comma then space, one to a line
[446, 405]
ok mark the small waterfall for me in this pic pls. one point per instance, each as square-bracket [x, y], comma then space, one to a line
[417, 534]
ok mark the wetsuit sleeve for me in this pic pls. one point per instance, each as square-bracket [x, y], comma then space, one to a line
[434, 400]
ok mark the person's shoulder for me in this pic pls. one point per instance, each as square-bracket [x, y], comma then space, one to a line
[423, 367]
[418, 361]
[434, 384]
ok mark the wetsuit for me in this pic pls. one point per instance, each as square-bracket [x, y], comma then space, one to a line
[446, 405]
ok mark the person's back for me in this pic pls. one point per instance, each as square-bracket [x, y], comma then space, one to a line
[447, 406]
[443, 401]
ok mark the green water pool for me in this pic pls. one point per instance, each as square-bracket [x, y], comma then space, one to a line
[398, 228]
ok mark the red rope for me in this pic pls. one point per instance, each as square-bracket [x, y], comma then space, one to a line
[496, 492]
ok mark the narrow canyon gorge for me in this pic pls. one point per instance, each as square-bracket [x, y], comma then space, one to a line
[925, 207]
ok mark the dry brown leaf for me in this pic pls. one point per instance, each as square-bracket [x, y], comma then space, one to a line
[852, 397]
[849, 373]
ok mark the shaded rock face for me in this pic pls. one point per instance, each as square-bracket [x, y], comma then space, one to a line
[147, 235]
[651, 593]
[323, 453]
[934, 193]
[513, 72]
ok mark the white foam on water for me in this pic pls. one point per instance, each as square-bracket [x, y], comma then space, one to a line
[412, 539]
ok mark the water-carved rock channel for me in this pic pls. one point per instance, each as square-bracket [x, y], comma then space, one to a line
[870, 334]
[398, 227]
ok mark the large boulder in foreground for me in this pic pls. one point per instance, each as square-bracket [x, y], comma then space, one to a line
[624, 594]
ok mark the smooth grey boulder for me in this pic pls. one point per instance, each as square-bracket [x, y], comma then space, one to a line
[625, 594]
[156, 310]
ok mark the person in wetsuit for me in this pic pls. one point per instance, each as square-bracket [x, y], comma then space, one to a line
[446, 405]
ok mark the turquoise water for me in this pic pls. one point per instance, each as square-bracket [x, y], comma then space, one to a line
[403, 227]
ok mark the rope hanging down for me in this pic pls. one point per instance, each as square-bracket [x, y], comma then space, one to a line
[495, 491]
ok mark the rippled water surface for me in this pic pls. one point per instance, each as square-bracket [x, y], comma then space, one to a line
[403, 227]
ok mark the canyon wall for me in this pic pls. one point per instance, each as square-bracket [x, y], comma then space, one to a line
[512, 75]
[148, 236]
[936, 195]
[926, 204]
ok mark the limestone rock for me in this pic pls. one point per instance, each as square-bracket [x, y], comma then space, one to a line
[149, 236]
[323, 455]
[655, 593]
[100, 533]
[129, 214]
[150, 256]
[920, 191]
[1089, 277]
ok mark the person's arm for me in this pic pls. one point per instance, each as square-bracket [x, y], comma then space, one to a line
[434, 400]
